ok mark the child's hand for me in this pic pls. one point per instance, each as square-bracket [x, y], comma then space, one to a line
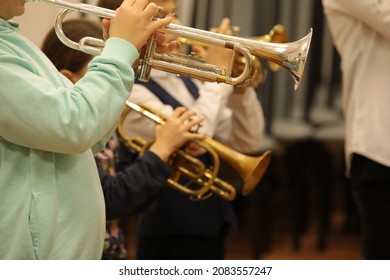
[176, 132]
[165, 44]
[134, 22]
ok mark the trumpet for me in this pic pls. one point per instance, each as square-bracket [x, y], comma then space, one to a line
[277, 34]
[251, 169]
[291, 56]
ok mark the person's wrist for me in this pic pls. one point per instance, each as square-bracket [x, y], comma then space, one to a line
[162, 152]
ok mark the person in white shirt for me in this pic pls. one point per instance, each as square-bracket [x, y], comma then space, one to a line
[175, 227]
[361, 33]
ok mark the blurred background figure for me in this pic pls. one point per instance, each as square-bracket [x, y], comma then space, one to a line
[360, 31]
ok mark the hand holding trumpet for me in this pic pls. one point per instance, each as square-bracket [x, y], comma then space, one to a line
[133, 23]
[175, 132]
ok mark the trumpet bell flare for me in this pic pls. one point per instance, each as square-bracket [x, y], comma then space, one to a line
[254, 178]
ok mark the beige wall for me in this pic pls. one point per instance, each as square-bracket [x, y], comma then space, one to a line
[39, 19]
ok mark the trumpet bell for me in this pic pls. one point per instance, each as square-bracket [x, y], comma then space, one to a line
[253, 177]
[291, 56]
[251, 169]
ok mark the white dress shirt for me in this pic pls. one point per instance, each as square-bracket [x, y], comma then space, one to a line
[361, 34]
[233, 119]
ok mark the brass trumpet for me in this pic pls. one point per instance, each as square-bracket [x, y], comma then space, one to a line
[251, 169]
[291, 56]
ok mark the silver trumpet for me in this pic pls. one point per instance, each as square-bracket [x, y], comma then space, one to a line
[291, 56]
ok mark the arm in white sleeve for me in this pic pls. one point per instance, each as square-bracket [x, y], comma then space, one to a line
[211, 104]
[375, 14]
[242, 128]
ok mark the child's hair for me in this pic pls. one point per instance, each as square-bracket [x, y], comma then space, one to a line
[64, 57]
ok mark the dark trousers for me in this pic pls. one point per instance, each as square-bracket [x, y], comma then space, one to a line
[371, 190]
[181, 248]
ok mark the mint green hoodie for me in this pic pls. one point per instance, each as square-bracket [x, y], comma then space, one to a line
[51, 201]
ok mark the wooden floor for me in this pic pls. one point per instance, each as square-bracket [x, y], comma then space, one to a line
[341, 243]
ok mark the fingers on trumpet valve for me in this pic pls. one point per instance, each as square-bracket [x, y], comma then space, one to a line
[187, 122]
